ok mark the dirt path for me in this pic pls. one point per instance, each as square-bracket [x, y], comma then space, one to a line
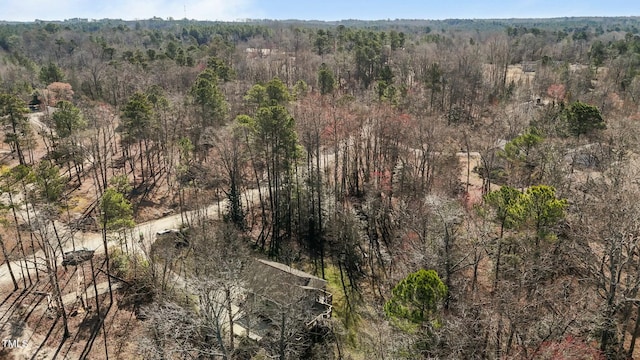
[474, 160]
[35, 119]
[93, 240]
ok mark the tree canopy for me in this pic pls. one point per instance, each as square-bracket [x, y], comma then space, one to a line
[543, 207]
[68, 119]
[116, 211]
[584, 118]
[49, 182]
[51, 73]
[519, 148]
[326, 80]
[417, 297]
[137, 115]
[508, 206]
[13, 112]
[209, 100]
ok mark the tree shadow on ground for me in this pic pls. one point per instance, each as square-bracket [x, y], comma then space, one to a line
[128, 326]
[93, 324]
[87, 326]
[46, 338]
[12, 308]
[9, 296]
[55, 355]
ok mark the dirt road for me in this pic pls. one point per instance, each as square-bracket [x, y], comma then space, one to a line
[471, 162]
[93, 240]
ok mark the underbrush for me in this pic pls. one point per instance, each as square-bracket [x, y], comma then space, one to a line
[345, 309]
[135, 270]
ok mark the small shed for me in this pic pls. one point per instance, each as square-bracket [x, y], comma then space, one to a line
[76, 257]
[529, 66]
[35, 103]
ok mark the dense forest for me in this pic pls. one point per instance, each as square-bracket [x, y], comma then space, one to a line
[399, 189]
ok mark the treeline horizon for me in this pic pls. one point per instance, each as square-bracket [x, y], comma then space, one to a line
[607, 23]
[467, 188]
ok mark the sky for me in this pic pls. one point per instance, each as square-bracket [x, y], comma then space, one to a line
[231, 10]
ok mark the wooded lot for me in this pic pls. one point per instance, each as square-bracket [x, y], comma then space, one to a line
[458, 189]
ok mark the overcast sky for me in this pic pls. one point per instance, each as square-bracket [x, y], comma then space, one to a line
[29, 10]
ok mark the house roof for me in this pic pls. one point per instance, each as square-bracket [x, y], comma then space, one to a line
[303, 279]
[279, 282]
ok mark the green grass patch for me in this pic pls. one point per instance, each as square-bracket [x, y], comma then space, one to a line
[129, 267]
[344, 310]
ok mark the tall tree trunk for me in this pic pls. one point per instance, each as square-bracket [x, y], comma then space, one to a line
[52, 269]
[31, 236]
[282, 337]
[55, 231]
[106, 256]
[141, 154]
[17, 142]
[498, 259]
[634, 335]
[447, 264]
[230, 311]
[319, 194]
[19, 236]
[262, 236]
[8, 261]
[77, 165]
